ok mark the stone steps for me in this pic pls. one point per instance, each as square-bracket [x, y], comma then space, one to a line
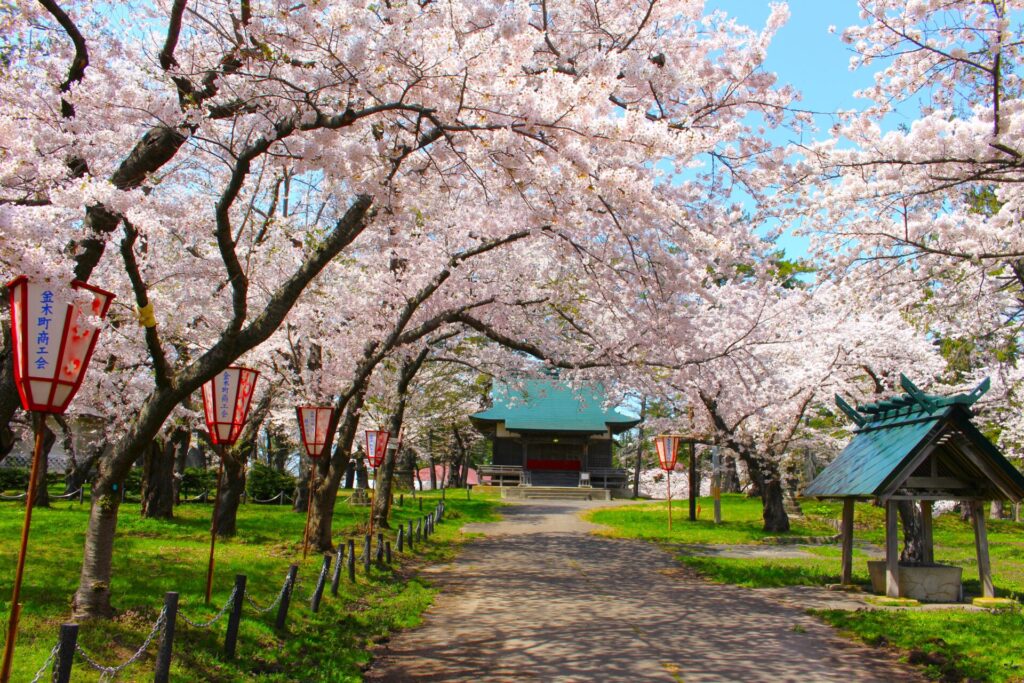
[555, 493]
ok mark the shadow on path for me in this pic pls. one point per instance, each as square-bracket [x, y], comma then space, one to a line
[542, 599]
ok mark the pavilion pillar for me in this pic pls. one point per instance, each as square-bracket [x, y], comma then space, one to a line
[981, 547]
[892, 554]
[926, 532]
[846, 576]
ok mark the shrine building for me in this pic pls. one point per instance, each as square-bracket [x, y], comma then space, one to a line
[546, 434]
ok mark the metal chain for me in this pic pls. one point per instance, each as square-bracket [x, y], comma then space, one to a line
[67, 495]
[46, 665]
[277, 600]
[20, 496]
[268, 500]
[216, 618]
[109, 673]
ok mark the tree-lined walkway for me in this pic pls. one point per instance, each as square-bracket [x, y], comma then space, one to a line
[540, 598]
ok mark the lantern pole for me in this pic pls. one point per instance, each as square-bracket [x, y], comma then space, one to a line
[309, 507]
[373, 491]
[668, 479]
[38, 424]
[213, 524]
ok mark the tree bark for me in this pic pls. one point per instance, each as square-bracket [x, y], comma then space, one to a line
[181, 441]
[998, 510]
[766, 476]
[638, 466]
[41, 496]
[301, 496]
[231, 493]
[382, 500]
[730, 475]
[158, 480]
[913, 533]
[92, 599]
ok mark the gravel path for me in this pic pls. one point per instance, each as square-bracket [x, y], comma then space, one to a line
[540, 598]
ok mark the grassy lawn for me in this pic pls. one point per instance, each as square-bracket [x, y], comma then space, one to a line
[153, 556]
[949, 645]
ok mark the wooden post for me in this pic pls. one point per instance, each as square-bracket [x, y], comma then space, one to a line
[716, 482]
[38, 423]
[318, 592]
[213, 526]
[419, 529]
[379, 555]
[350, 561]
[892, 554]
[235, 617]
[927, 532]
[421, 504]
[282, 610]
[366, 554]
[401, 500]
[387, 552]
[162, 672]
[846, 575]
[401, 537]
[66, 653]
[981, 547]
[336, 578]
[409, 536]
[693, 476]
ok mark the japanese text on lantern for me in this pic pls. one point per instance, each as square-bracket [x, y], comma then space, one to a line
[43, 326]
[225, 386]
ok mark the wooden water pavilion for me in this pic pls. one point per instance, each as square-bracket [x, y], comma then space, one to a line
[546, 434]
[922, 448]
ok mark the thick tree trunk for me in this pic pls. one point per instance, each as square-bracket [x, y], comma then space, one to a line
[158, 480]
[230, 495]
[331, 472]
[350, 474]
[92, 599]
[998, 510]
[766, 476]
[913, 532]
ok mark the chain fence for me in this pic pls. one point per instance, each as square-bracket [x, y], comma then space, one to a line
[46, 665]
[277, 601]
[217, 617]
[109, 673]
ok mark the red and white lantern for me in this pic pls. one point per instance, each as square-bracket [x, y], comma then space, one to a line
[226, 400]
[53, 341]
[667, 446]
[313, 423]
[376, 446]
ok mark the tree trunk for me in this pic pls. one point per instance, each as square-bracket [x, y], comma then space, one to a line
[765, 476]
[331, 472]
[350, 474]
[730, 475]
[382, 500]
[998, 510]
[181, 440]
[92, 599]
[230, 494]
[41, 497]
[10, 402]
[913, 532]
[158, 480]
[433, 470]
[637, 467]
[302, 487]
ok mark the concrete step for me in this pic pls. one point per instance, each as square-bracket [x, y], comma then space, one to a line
[555, 493]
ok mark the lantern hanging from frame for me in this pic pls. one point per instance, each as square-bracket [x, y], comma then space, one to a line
[313, 424]
[376, 446]
[667, 446]
[226, 400]
[53, 341]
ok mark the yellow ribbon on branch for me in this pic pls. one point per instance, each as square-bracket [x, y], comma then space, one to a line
[146, 316]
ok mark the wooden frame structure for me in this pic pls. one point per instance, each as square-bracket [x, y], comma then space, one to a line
[920, 448]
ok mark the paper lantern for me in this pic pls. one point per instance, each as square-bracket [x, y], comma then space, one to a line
[376, 446]
[226, 400]
[53, 341]
[313, 424]
[667, 446]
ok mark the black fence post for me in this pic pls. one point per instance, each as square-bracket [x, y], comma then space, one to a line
[467, 492]
[387, 552]
[336, 578]
[379, 556]
[282, 610]
[351, 561]
[280, 498]
[443, 489]
[366, 554]
[81, 493]
[419, 529]
[421, 504]
[235, 618]
[163, 656]
[314, 604]
[401, 500]
[66, 653]
[401, 536]
[409, 536]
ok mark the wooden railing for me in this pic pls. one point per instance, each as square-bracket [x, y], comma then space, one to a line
[501, 475]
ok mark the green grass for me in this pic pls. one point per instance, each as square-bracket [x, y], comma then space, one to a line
[154, 556]
[949, 645]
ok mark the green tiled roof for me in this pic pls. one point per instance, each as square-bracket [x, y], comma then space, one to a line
[891, 432]
[551, 405]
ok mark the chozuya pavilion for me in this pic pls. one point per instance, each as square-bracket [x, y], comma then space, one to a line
[548, 438]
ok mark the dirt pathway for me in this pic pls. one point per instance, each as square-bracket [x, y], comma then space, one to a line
[542, 599]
